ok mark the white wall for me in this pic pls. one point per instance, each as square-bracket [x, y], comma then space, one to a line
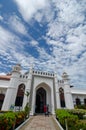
[4, 83]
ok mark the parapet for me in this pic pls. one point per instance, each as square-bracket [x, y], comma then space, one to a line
[41, 73]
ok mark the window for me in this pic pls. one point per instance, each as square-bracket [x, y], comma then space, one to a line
[85, 101]
[20, 95]
[62, 99]
[78, 102]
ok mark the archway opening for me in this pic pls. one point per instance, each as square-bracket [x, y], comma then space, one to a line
[40, 100]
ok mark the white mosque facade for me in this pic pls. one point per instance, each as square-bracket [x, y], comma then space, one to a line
[44, 88]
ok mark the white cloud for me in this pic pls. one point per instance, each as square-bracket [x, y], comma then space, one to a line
[29, 8]
[12, 50]
[6, 38]
[0, 5]
[70, 12]
[56, 29]
[2, 73]
[44, 15]
[17, 25]
[51, 42]
[9, 44]
[76, 39]
[34, 43]
[65, 36]
[1, 18]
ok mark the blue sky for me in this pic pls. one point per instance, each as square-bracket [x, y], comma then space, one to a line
[50, 34]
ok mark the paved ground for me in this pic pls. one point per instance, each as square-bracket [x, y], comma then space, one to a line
[41, 122]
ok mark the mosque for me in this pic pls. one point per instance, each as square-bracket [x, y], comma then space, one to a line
[45, 89]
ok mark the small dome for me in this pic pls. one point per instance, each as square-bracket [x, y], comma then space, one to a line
[65, 75]
[16, 68]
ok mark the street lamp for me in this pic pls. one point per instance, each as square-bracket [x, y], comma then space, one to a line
[66, 124]
[27, 108]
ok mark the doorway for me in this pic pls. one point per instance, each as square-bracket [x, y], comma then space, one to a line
[40, 100]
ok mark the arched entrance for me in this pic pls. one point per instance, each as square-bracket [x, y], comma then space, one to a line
[40, 100]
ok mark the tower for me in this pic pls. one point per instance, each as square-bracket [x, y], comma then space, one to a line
[28, 88]
[57, 92]
[12, 89]
[67, 91]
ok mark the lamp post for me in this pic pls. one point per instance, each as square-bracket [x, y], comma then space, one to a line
[27, 104]
[27, 94]
[66, 124]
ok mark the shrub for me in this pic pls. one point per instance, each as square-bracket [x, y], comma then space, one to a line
[10, 120]
[20, 117]
[73, 118]
[78, 112]
[80, 106]
[65, 117]
[7, 121]
[81, 124]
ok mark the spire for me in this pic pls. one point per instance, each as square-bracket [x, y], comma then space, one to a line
[31, 66]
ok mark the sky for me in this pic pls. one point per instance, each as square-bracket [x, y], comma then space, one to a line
[49, 35]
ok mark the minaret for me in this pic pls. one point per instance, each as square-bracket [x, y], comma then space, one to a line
[28, 87]
[12, 89]
[67, 91]
[57, 92]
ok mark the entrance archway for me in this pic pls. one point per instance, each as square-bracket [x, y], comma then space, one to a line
[40, 100]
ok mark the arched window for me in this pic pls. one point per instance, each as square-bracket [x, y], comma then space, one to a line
[62, 99]
[20, 95]
[78, 102]
[85, 101]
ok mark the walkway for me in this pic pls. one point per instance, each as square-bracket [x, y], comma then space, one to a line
[41, 122]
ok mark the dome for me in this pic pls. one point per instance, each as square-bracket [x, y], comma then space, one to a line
[65, 75]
